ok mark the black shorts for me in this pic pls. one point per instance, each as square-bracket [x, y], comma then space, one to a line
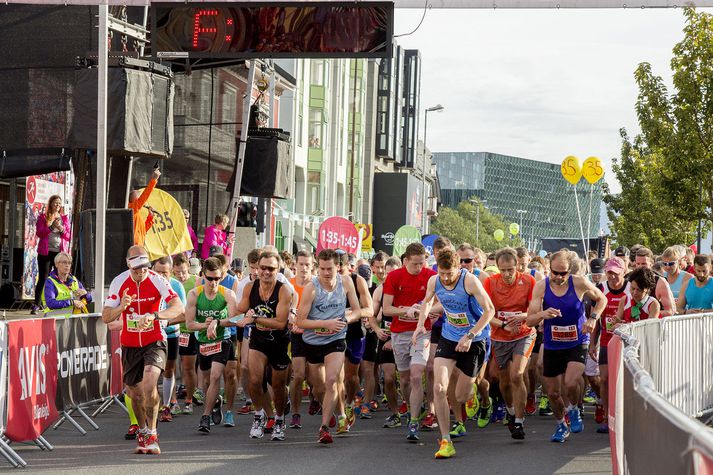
[315, 353]
[297, 345]
[436, 333]
[384, 356]
[468, 362]
[603, 355]
[371, 342]
[226, 353]
[187, 347]
[134, 359]
[275, 350]
[240, 332]
[554, 362]
[234, 340]
[538, 342]
[172, 350]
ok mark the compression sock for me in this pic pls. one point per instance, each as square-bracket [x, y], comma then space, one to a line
[130, 408]
[168, 384]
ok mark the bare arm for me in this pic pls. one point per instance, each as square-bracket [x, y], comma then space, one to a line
[475, 288]
[426, 306]
[665, 296]
[389, 309]
[356, 307]
[308, 295]
[191, 322]
[681, 304]
[585, 286]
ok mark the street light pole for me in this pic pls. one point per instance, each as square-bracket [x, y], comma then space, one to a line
[477, 220]
[521, 212]
[424, 217]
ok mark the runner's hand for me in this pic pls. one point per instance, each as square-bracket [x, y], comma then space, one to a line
[212, 332]
[589, 325]
[335, 324]
[146, 321]
[420, 330]
[594, 353]
[412, 311]
[381, 334]
[551, 313]
[463, 345]
[126, 300]
[296, 329]
[387, 346]
[207, 322]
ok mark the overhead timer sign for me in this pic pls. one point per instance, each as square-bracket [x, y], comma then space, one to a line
[272, 30]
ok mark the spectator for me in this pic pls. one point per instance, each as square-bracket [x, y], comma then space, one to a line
[191, 233]
[63, 294]
[194, 266]
[54, 233]
[136, 202]
[215, 236]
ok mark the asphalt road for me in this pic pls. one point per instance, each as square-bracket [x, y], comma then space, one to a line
[368, 448]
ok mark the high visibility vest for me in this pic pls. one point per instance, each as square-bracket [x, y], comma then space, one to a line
[63, 293]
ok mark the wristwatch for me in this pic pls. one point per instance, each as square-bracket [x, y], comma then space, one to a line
[155, 315]
[470, 335]
[593, 315]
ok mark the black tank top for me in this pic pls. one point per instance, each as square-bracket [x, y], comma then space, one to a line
[355, 330]
[265, 309]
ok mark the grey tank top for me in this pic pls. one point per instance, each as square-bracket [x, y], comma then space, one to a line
[326, 306]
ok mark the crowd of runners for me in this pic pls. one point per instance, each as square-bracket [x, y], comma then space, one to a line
[428, 341]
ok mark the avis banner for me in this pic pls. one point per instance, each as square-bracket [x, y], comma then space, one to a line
[84, 360]
[32, 378]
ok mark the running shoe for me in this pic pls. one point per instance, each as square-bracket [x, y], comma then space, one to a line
[181, 392]
[545, 409]
[204, 425]
[412, 432]
[257, 431]
[229, 419]
[342, 425]
[140, 443]
[166, 414]
[429, 422]
[499, 412]
[599, 414]
[561, 433]
[351, 417]
[392, 421]
[324, 436]
[403, 409]
[198, 397]
[510, 419]
[151, 447]
[484, 414]
[365, 412]
[332, 422]
[314, 408]
[457, 430]
[575, 420]
[590, 397]
[530, 407]
[296, 422]
[445, 449]
[373, 405]
[246, 409]
[472, 406]
[188, 408]
[278, 431]
[269, 425]
[217, 413]
[175, 409]
[603, 428]
[518, 431]
[131, 433]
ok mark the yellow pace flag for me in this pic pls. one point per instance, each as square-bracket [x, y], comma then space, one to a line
[169, 233]
[592, 170]
[571, 169]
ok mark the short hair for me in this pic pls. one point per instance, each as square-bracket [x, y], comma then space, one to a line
[269, 255]
[303, 253]
[380, 256]
[490, 257]
[466, 247]
[645, 252]
[673, 251]
[219, 218]
[576, 265]
[212, 264]
[329, 255]
[537, 265]
[179, 260]
[702, 260]
[221, 258]
[507, 253]
[565, 255]
[415, 249]
[136, 247]
[393, 262]
[441, 242]
[253, 256]
[448, 259]
[521, 252]
[163, 261]
[286, 258]
[644, 278]
[61, 255]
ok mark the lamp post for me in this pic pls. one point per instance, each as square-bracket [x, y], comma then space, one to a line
[477, 220]
[424, 217]
[521, 212]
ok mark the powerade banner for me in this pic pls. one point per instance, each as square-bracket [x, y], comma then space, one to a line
[3, 374]
[32, 378]
[84, 361]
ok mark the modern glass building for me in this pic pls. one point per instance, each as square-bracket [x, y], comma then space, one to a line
[546, 202]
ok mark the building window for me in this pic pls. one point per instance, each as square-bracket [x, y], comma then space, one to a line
[317, 72]
[229, 109]
[315, 128]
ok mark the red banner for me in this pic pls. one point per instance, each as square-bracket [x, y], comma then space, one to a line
[338, 233]
[616, 390]
[116, 385]
[32, 381]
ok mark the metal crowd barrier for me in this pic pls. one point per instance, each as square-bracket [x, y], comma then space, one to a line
[664, 382]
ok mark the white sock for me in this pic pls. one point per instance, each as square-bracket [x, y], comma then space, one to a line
[571, 407]
[511, 411]
[519, 420]
[168, 384]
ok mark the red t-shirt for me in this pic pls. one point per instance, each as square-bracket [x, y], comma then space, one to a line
[407, 290]
[509, 300]
[609, 314]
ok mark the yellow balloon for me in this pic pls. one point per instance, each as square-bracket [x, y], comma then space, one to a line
[571, 169]
[499, 234]
[514, 229]
[592, 170]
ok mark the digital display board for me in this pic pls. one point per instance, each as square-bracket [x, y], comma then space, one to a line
[272, 30]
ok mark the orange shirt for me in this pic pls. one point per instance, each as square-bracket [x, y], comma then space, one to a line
[141, 227]
[509, 300]
[298, 289]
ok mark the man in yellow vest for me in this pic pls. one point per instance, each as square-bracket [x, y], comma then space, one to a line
[63, 293]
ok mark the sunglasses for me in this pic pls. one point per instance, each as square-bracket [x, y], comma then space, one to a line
[141, 267]
[467, 260]
[268, 268]
[560, 274]
[669, 264]
[212, 279]
[340, 252]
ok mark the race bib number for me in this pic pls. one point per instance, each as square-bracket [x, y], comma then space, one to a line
[183, 339]
[565, 333]
[132, 323]
[609, 322]
[324, 332]
[508, 317]
[459, 320]
[208, 349]
[387, 327]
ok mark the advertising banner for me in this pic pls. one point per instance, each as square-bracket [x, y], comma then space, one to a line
[38, 190]
[366, 232]
[3, 374]
[338, 233]
[32, 378]
[169, 234]
[117, 385]
[428, 241]
[404, 236]
[83, 354]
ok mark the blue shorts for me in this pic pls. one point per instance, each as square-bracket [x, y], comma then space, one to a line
[355, 350]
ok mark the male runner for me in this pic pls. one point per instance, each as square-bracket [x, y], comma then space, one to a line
[209, 307]
[303, 275]
[322, 315]
[675, 276]
[645, 260]
[697, 294]
[135, 296]
[253, 272]
[404, 290]
[513, 340]
[523, 262]
[557, 301]
[187, 346]
[461, 350]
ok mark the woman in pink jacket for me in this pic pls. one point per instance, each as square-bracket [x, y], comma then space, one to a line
[215, 236]
[54, 233]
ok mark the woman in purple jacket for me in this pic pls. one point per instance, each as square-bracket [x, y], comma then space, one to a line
[54, 233]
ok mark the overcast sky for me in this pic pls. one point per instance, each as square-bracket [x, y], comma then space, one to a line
[538, 84]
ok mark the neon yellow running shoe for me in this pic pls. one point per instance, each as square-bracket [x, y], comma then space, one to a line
[457, 430]
[445, 449]
[472, 406]
[484, 414]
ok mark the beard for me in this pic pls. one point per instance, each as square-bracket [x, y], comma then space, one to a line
[702, 279]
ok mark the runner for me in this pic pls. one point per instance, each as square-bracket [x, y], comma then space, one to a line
[244, 340]
[640, 304]
[303, 267]
[322, 315]
[187, 343]
[675, 276]
[645, 260]
[697, 294]
[557, 301]
[135, 296]
[523, 263]
[266, 302]
[209, 307]
[404, 290]
[592, 373]
[513, 341]
[461, 350]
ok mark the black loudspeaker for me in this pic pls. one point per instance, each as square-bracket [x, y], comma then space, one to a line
[139, 112]
[33, 162]
[119, 237]
[266, 171]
